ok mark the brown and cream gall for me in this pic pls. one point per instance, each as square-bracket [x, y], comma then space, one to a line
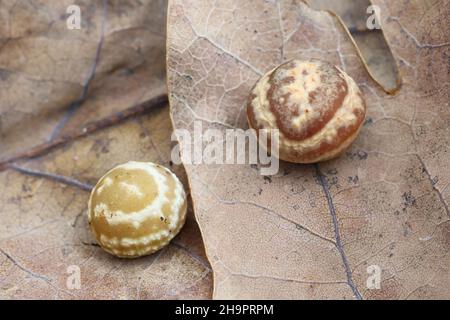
[317, 108]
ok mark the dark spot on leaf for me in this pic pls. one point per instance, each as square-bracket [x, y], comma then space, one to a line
[360, 154]
[4, 74]
[354, 179]
[267, 179]
[332, 171]
[368, 121]
[409, 199]
[126, 72]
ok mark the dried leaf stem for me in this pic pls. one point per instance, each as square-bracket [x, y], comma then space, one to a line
[111, 120]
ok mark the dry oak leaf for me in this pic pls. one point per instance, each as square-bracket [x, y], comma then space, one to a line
[54, 81]
[315, 231]
[44, 230]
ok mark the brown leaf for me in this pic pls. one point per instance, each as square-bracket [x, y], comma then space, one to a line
[312, 231]
[53, 82]
[371, 42]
